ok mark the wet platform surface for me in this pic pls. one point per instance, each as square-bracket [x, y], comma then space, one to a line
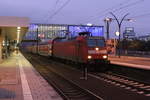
[135, 62]
[20, 81]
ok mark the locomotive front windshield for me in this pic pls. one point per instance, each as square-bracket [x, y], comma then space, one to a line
[95, 42]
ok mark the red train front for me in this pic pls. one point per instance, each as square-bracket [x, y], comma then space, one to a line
[82, 49]
[96, 50]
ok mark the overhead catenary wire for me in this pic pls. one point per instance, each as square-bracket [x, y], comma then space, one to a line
[131, 4]
[57, 2]
[53, 10]
[140, 16]
[105, 11]
[115, 10]
[128, 5]
[58, 10]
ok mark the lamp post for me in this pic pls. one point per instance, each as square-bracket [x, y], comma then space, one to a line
[115, 43]
[37, 42]
[119, 30]
[107, 21]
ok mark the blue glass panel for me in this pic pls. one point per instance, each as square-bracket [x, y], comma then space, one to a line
[94, 30]
[33, 27]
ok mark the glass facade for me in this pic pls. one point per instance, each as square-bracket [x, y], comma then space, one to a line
[94, 30]
[45, 31]
[48, 31]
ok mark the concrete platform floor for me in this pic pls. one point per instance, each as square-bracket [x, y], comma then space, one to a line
[135, 62]
[20, 81]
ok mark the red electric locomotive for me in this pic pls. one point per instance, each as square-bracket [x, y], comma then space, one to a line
[83, 49]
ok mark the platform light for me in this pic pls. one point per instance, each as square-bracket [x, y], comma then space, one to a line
[18, 28]
[3, 43]
[18, 36]
[18, 33]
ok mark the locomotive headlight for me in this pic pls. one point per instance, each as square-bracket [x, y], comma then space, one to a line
[89, 57]
[96, 49]
[105, 56]
[50, 51]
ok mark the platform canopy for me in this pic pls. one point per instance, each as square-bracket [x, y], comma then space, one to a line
[14, 28]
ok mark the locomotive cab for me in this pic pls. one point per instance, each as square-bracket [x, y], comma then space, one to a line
[96, 50]
[92, 48]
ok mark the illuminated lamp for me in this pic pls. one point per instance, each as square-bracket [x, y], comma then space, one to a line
[89, 24]
[18, 28]
[96, 49]
[89, 57]
[105, 56]
[117, 33]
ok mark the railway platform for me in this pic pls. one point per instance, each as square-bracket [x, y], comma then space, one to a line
[135, 62]
[20, 81]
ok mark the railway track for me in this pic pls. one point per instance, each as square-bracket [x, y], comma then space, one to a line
[66, 88]
[124, 82]
[71, 91]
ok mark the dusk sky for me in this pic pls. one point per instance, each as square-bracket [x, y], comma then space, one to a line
[81, 12]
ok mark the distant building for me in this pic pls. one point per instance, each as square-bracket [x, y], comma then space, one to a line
[48, 31]
[129, 33]
[45, 31]
[144, 37]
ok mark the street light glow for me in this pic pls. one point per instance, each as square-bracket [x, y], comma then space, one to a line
[117, 33]
[18, 36]
[18, 28]
[108, 19]
[3, 43]
[130, 20]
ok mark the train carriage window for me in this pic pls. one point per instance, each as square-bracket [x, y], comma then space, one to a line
[94, 42]
[91, 43]
[101, 43]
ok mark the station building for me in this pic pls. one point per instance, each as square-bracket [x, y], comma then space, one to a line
[45, 31]
[41, 32]
[48, 31]
[12, 29]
